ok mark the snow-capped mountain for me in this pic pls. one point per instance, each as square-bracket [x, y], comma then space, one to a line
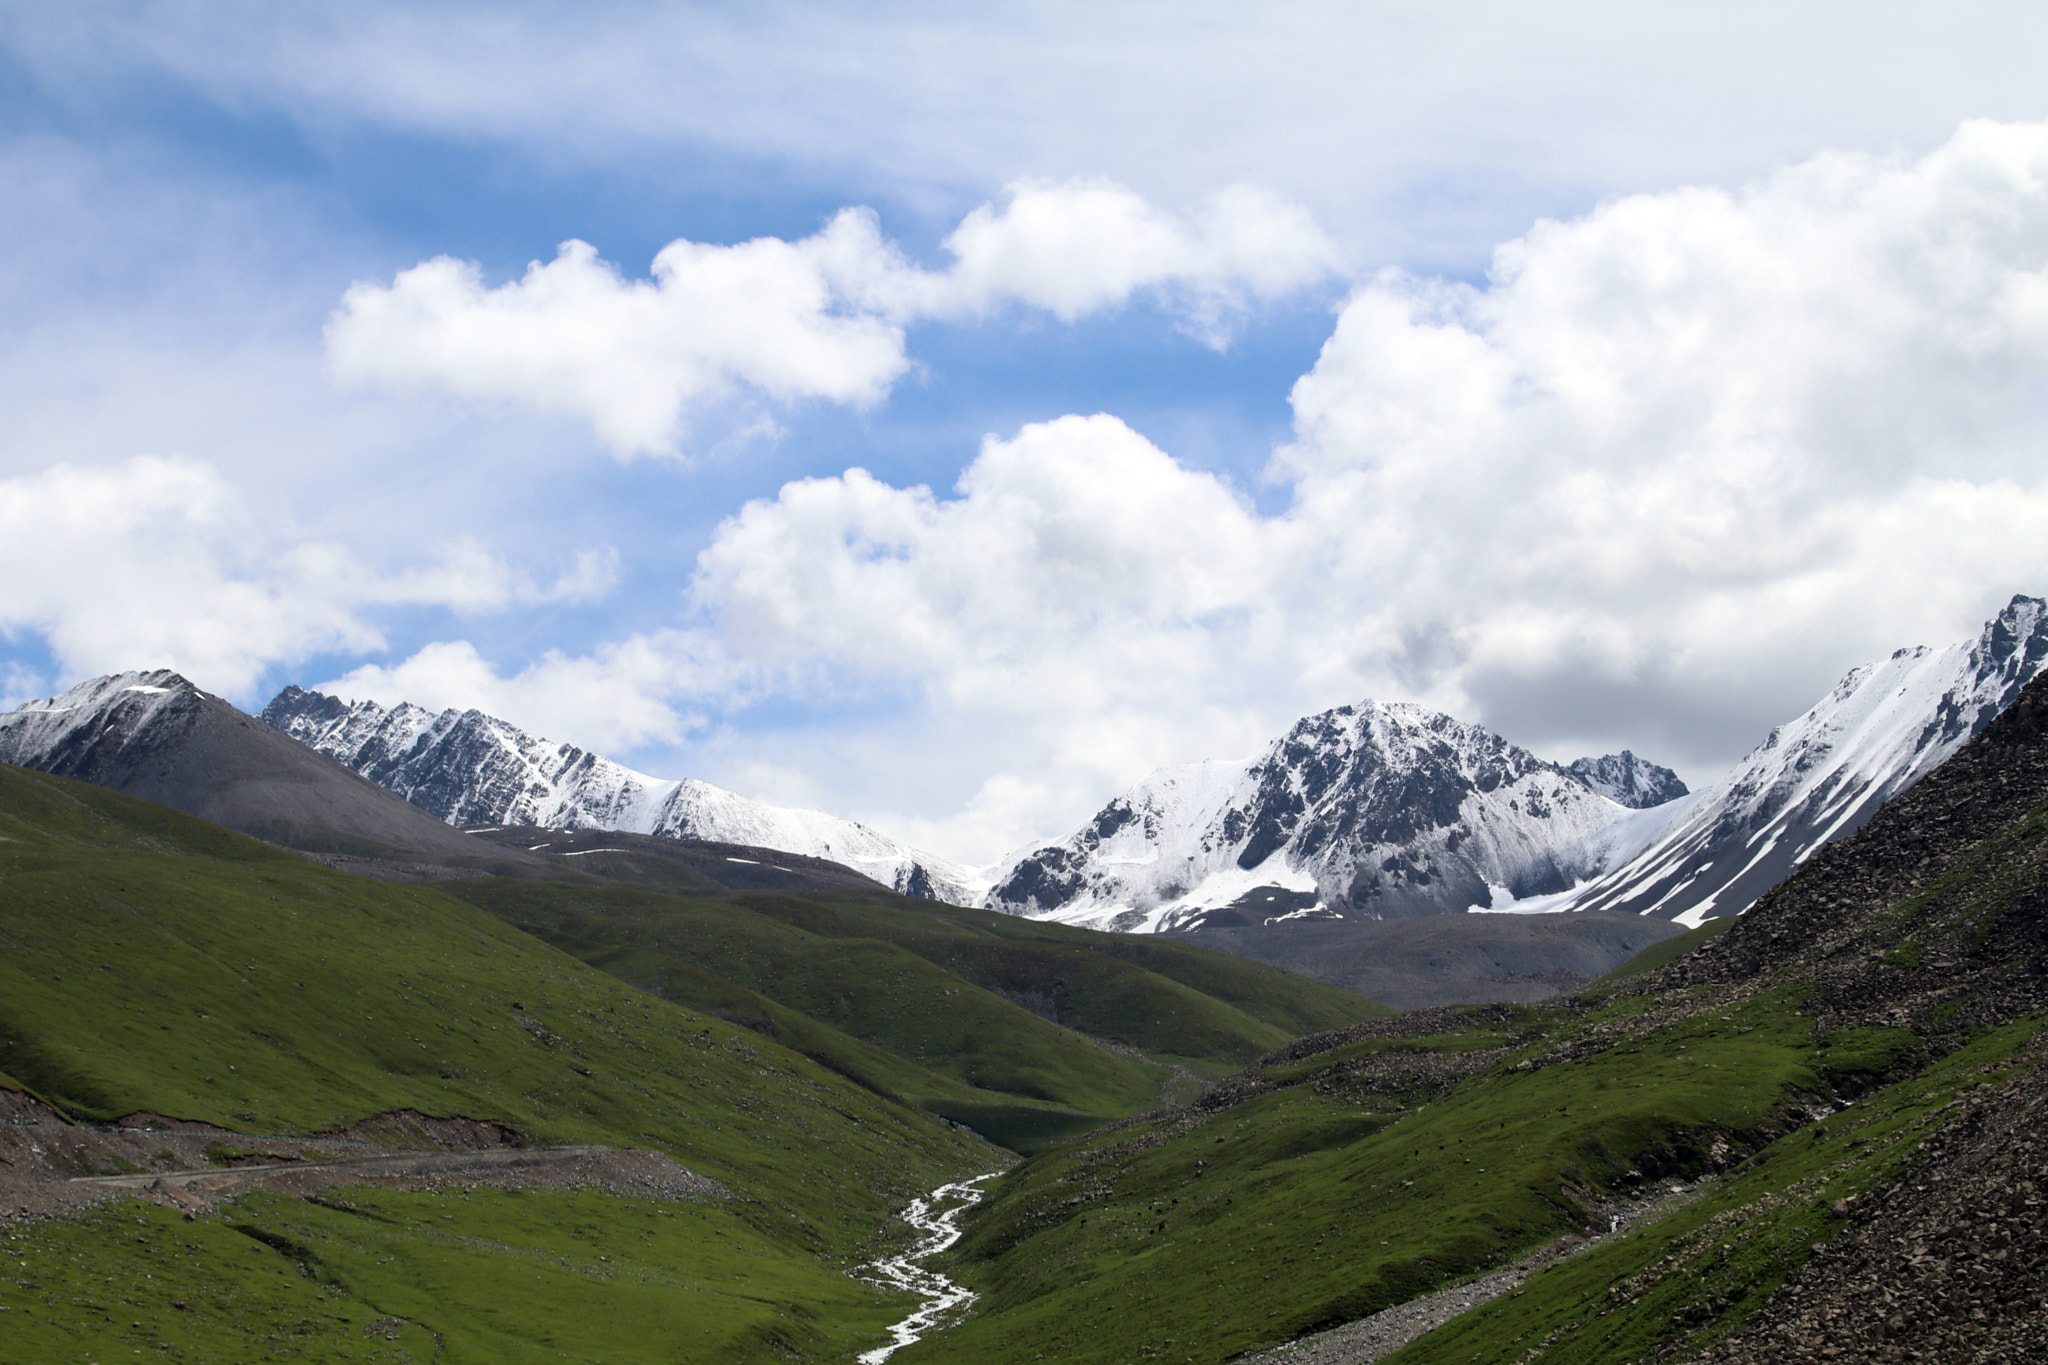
[1375, 810]
[1381, 810]
[1822, 775]
[1627, 780]
[112, 713]
[471, 769]
[155, 735]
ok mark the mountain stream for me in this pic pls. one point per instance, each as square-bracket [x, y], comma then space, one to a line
[933, 1216]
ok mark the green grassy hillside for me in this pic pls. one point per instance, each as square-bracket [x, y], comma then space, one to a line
[480, 1277]
[150, 962]
[1321, 1189]
[976, 1016]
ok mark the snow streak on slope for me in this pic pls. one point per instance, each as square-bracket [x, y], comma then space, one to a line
[472, 769]
[1823, 775]
[1375, 810]
[116, 708]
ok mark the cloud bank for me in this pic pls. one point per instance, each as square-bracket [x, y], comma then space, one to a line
[819, 318]
[161, 562]
[1655, 480]
[1424, 134]
[1692, 446]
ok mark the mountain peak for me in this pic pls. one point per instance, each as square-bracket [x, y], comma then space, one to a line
[1627, 780]
[1824, 773]
[1372, 810]
[152, 733]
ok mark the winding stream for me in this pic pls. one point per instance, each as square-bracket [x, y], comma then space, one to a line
[933, 1216]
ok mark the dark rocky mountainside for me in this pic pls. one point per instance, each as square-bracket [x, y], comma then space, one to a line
[1933, 918]
[1627, 780]
[157, 736]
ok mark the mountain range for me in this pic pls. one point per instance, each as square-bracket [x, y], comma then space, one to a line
[155, 735]
[474, 770]
[576, 1097]
[1368, 812]
[1348, 849]
[1381, 810]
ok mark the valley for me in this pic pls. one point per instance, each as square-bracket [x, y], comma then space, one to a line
[371, 1086]
[182, 1007]
[693, 683]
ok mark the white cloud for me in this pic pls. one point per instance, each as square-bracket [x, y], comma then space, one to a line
[1076, 247]
[1424, 133]
[819, 318]
[162, 562]
[619, 697]
[1083, 606]
[1696, 439]
[629, 356]
[1676, 465]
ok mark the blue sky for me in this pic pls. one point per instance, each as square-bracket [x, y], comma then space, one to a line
[1604, 373]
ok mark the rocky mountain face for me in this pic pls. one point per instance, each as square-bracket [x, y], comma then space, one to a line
[1823, 774]
[1379, 810]
[1627, 780]
[474, 770]
[1932, 922]
[155, 735]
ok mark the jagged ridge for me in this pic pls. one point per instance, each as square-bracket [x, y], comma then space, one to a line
[471, 769]
[1377, 810]
[1824, 774]
[1388, 809]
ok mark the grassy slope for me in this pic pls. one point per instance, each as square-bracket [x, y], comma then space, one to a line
[1110, 984]
[869, 1008]
[1715, 1261]
[1322, 1200]
[152, 962]
[937, 1004]
[492, 1277]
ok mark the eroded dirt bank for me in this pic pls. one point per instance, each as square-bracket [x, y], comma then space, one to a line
[50, 1168]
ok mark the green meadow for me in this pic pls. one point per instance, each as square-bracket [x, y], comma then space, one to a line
[982, 1018]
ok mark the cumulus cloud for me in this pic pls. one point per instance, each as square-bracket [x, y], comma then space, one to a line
[819, 318]
[629, 356]
[1696, 437]
[1076, 247]
[619, 697]
[161, 562]
[1668, 471]
[1085, 602]
[1655, 481]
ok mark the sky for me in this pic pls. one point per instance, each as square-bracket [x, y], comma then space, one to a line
[944, 415]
